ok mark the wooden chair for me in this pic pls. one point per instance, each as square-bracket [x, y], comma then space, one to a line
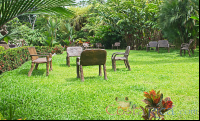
[117, 44]
[92, 57]
[86, 45]
[35, 59]
[73, 52]
[152, 44]
[124, 58]
[163, 43]
[188, 47]
[99, 45]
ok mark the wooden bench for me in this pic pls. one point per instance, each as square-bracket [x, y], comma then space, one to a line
[99, 45]
[163, 43]
[73, 52]
[35, 59]
[117, 44]
[152, 44]
[188, 47]
[91, 57]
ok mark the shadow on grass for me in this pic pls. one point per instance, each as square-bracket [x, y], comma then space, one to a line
[34, 72]
[117, 69]
[64, 65]
[85, 78]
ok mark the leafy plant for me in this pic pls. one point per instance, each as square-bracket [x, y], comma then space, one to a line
[155, 105]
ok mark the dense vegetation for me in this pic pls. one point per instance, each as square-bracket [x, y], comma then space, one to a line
[131, 22]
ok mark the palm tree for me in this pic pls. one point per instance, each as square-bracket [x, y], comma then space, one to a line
[175, 19]
[10, 9]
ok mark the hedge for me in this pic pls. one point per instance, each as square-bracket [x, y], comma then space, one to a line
[12, 58]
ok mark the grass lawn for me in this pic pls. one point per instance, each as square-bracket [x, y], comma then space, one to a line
[63, 96]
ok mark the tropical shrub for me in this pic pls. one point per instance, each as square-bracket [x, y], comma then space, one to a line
[155, 105]
[175, 21]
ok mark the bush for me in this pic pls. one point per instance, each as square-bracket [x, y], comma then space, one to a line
[1, 48]
[12, 58]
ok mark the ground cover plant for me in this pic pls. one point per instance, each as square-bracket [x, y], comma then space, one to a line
[63, 96]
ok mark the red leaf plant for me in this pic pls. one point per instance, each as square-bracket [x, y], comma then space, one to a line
[155, 105]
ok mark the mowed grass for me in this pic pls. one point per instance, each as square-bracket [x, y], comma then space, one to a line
[62, 96]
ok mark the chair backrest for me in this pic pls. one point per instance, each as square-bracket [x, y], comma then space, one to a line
[74, 51]
[127, 51]
[32, 51]
[98, 45]
[153, 43]
[190, 43]
[117, 44]
[93, 57]
[163, 43]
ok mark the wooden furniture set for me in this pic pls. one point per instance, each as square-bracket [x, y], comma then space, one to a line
[90, 57]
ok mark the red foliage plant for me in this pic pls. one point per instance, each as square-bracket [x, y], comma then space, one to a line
[154, 102]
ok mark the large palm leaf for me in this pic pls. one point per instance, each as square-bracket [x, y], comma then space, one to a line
[10, 9]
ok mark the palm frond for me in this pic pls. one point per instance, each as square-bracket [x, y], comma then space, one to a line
[13, 8]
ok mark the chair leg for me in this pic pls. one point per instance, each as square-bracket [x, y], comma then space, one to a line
[129, 68]
[47, 68]
[180, 52]
[77, 71]
[30, 71]
[51, 67]
[158, 49]
[192, 51]
[100, 73]
[68, 61]
[168, 49]
[104, 70]
[184, 52]
[82, 76]
[114, 63]
[125, 63]
[189, 52]
[36, 66]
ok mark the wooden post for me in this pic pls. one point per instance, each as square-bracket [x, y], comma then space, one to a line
[82, 76]
[104, 70]
[100, 74]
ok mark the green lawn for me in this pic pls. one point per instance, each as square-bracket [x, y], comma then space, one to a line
[62, 96]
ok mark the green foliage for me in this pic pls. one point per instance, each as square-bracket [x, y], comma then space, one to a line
[32, 37]
[2, 48]
[13, 58]
[175, 21]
